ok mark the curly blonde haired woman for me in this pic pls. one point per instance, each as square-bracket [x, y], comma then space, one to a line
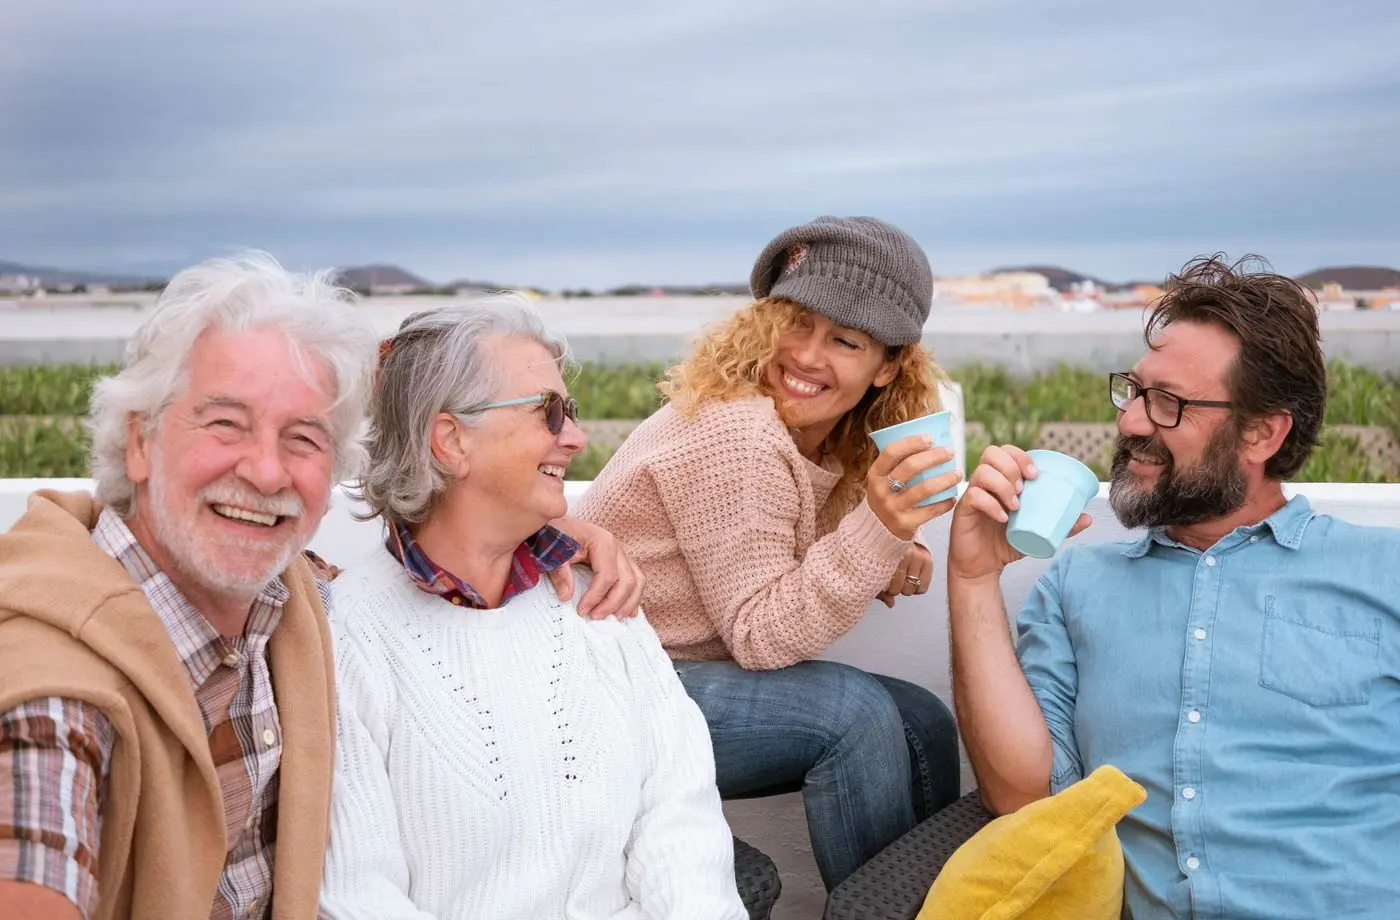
[766, 522]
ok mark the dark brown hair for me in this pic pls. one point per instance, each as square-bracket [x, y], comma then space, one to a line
[1280, 367]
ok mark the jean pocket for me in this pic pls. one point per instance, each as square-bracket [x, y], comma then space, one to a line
[1326, 656]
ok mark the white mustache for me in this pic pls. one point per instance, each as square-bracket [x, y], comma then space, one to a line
[233, 492]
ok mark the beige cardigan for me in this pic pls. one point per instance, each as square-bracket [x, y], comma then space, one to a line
[729, 523]
[73, 624]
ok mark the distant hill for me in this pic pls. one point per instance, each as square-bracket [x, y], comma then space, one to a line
[369, 277]
[57, 276]
[1353, 277]
[1061, 279]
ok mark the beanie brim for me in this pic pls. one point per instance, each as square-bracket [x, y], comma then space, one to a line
[845, 304]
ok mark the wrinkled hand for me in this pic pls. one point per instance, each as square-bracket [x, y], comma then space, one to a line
[911, 576]
[902, 461]
[977, 546]
[617, 582]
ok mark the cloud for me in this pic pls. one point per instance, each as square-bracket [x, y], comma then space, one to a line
[595, 144]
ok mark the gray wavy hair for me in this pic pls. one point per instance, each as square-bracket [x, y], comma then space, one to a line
[246, 291]
[438, 361]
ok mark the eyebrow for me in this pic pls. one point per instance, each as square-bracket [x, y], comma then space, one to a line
[229, 402]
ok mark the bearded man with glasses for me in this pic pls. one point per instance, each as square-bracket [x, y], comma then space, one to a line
[1240, 659]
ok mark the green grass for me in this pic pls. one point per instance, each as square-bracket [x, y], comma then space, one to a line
[42, 442]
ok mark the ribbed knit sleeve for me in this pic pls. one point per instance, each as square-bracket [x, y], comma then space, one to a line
[741, 509]
[680, 863]
[366, 874]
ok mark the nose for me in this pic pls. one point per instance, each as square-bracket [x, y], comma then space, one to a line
[806, 350]
[261, 465]
[1134, 420]
[571, 437]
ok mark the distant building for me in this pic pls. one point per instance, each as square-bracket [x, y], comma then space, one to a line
[18, 284]
[1018, 290]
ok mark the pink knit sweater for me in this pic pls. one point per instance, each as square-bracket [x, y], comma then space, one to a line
[728, 521]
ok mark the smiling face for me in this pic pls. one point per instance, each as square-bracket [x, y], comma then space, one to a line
[820, 371]
[1193, 472]
[235, 478]
[513, 464]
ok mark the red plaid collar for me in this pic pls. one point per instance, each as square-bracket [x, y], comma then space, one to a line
[543, 552]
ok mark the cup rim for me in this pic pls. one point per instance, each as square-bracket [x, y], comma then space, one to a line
[1077, 467]
[919, 418]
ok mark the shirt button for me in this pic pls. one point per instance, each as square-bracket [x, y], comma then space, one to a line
[1254, 539]
[1192, 862]
[269, 736]
[1210, 560]
[231, 659]
[1188, 794]
[1193, 716]
[1199, 634]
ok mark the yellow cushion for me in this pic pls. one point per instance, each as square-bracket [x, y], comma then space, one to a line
[1055, 859]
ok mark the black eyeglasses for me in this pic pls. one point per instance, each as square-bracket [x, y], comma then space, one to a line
[556, 408]
[1163, 408]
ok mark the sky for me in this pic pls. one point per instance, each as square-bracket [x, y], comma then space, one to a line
[565, 144]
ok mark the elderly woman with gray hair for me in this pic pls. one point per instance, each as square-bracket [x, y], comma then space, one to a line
[498, 755]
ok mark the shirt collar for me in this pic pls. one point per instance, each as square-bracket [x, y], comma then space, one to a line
[1286, 525]
[198, 644]
[544, 551]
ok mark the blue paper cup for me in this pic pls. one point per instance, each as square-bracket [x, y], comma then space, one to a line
[1050, 503]
[939, 427]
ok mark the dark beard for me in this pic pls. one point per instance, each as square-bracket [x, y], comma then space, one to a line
[1212, 489]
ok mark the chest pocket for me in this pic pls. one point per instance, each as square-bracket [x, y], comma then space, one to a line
[1326, 656]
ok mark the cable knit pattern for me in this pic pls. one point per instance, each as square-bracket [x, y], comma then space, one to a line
[521, 763]
[729, 521]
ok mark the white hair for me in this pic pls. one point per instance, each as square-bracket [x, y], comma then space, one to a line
[439, 361]
[246, 291]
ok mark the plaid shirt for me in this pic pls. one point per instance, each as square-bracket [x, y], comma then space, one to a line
[55, 753]
[543, 552]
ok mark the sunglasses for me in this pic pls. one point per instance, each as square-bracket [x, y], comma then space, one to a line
[556, 408]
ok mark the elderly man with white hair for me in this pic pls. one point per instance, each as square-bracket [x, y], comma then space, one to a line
[167, 713]
[497, 755]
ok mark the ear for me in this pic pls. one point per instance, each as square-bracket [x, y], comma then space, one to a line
[450, 444]
[1263, 436]
[888, 371]
[138, 448]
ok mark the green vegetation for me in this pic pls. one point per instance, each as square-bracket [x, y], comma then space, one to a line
[62, 389]
[622, 391]
[40, 408]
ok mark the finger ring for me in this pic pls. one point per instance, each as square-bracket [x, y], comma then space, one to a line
[896, 486]
[913, 581]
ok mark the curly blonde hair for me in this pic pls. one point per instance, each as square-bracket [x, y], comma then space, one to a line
[731, 359]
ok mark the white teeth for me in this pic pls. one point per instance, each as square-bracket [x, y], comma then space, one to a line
[243, 514]
[556, 471]
[798, 386]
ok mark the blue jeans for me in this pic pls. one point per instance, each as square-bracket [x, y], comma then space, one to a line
[872, 755]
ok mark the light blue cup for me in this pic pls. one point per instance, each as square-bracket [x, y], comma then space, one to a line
[1050, 503]
[939, 427]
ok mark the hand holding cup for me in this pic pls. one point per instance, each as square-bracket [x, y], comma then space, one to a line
[981, 543]
[900, 493]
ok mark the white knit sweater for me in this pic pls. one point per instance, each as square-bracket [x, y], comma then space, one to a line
[522, 763]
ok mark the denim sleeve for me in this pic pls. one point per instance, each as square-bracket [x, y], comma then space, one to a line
[1047, 659]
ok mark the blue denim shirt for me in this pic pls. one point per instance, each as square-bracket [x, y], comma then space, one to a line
[1254, 691]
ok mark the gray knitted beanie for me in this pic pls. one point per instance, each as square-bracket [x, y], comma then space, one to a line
[858, 272]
